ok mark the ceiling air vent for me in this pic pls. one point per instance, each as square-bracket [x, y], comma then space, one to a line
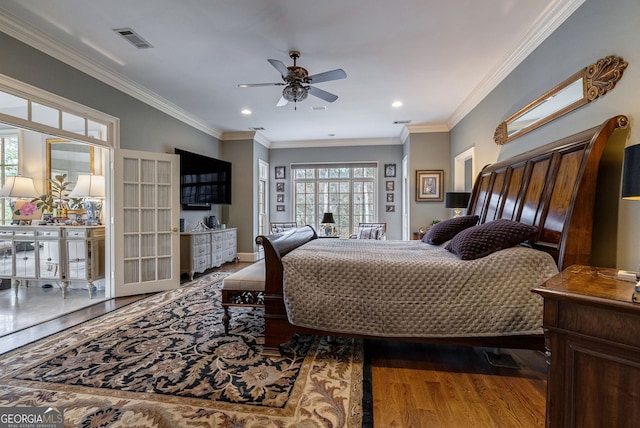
[257, 128]
[401, 122]
[133, 38]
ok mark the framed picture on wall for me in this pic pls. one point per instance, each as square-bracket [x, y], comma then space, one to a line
[389, 197]
[390, 208]
[390, 170]
[390, 186]
[280, 197]
[280, 208]
[279, 187]
[429, 185]
[280, 173]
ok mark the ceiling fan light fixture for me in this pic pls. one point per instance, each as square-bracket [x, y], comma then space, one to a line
[295, 92]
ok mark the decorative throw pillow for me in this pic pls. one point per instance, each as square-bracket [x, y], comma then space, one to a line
[482, 240]
[368, 232]
[447, 229]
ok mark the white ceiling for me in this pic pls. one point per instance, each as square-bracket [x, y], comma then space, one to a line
[439, 58]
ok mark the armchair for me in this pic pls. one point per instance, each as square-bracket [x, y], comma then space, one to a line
[370, 231]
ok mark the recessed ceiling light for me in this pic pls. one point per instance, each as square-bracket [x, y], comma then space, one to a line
[396, 104]
[246, 111]
[318, 108]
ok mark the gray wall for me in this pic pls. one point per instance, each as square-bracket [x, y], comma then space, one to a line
[242, 213]
[381, 154]
[597, 29]
[428, 151]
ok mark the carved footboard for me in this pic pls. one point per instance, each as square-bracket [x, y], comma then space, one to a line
[277, 329]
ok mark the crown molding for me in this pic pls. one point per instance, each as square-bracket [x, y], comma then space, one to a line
[246, 135]
[336, 143]
[421, 128]
[33, 37]
[553, 16]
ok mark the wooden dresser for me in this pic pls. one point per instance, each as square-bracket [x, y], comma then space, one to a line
[592, 332]
[205, 249]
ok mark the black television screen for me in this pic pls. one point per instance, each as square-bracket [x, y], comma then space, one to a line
[203, 181]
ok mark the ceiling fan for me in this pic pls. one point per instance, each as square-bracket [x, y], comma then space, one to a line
[297, 82]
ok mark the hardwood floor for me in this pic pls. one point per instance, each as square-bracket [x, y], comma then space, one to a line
[413, 385]
[421, 385]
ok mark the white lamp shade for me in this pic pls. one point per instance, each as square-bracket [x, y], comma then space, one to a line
[19, 187]
[88, 186]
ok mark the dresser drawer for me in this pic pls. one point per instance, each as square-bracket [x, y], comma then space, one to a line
[76, 233]
[199, 239]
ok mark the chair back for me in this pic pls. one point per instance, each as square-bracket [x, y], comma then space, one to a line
[371, 231]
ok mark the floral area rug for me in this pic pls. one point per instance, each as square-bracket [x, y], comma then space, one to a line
[165, 361]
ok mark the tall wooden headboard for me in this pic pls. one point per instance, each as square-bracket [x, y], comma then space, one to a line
[553, 188]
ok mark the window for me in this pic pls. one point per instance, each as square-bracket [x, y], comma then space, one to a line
[8, 167]
[263, 197]
[346, 190]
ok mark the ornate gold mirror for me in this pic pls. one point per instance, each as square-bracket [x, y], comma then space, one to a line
[69, 157]
[583, 87]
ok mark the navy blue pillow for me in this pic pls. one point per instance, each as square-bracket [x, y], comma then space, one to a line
[482, 240]
[447, 229]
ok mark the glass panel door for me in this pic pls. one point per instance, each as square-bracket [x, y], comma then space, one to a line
[146, 225]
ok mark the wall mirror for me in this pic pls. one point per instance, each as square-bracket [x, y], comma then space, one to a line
[583, 87]
[69, 157]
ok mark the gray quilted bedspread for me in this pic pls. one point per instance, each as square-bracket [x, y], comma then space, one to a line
[412, 289]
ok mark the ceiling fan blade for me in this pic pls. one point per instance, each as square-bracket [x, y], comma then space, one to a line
[282, 102]
[284, 71]
[255, 85]
[327, 96]
[327, 76]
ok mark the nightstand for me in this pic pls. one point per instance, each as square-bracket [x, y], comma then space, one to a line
[592, 339]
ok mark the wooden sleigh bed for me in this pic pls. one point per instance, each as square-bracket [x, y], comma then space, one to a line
[552, 188]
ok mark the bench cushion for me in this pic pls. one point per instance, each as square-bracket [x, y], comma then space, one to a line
[251, 278]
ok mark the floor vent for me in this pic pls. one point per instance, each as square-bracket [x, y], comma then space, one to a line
[133, 38]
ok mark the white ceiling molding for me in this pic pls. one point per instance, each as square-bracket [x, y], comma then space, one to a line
[246, 135]
[425, 127]
[31, 36]
[553, 17]
[336, 143]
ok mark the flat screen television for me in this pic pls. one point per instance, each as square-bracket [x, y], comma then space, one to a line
[204, 181]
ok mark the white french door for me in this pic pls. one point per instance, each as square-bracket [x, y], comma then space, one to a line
[146, 217]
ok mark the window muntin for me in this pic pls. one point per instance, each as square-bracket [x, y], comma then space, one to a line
[346, 190]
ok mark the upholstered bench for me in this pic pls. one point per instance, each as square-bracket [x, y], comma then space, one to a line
[243, 288]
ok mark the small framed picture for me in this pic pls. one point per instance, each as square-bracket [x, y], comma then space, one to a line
[280, 173]
[280, 197]
[390, 208]
[429, 185]
[391, 186]
[390, 170]
[47, 217]
[389, 197]
[279, 187]
[280, 208]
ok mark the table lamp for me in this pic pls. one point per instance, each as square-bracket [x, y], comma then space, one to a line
[90, 188]
[457, 200]
[328, 222]
[18, 187]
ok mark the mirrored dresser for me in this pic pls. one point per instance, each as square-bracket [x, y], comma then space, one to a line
[59, 254]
